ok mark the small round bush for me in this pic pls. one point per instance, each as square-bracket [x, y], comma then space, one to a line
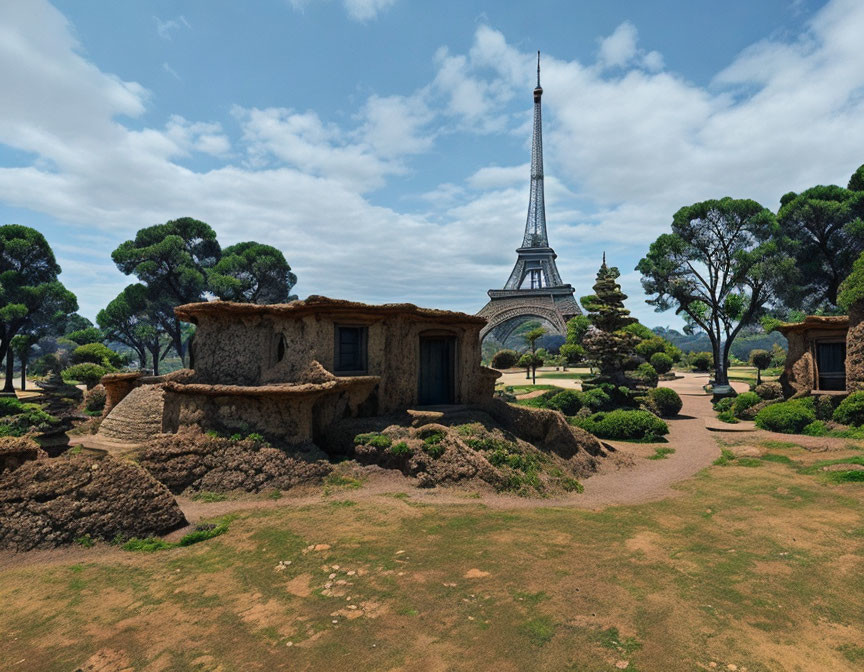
[650, 347]
[666, 400]
[786, 417]
[625, 425]
[816, 428]
[505, 359]
[646, 373]
[596, 399]
[94, 400]
[702, 361]
[744, 401]
[661, 362]
[769, 391]
[851, 410]
[88, 373]
[568, 402]
[96, 353]
[724, 405]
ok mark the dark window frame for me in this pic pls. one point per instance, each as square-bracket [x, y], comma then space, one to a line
[361, 362]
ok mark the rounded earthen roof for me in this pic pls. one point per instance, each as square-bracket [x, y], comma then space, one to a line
[322, 304]
[816, 322]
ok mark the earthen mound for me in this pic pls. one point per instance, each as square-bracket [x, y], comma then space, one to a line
[52, 502]
[193, 461]
[137, 418]
[16, 450]
[470, 446]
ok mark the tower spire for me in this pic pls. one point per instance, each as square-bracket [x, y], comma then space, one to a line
[535, 225]
[538, 68]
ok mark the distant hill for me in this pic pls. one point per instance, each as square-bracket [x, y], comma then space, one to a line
[740, 348]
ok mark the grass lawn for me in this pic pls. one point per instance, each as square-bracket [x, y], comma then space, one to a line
[747, 374]
[561, 375]
[760, 568]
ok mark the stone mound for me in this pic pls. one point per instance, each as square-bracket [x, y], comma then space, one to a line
[52, 502]
[15, 451]
[471, 446]
[137, 418]
[193, 461]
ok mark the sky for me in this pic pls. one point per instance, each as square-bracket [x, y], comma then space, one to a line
[384, 145]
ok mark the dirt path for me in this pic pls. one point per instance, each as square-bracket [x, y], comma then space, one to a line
[650, 480]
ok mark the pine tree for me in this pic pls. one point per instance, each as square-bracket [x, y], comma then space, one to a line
[607, 344]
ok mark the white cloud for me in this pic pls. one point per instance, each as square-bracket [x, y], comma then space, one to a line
[166, 28]
[395, 125]
[619, 48]
[625, 148]
[357, 10]
[363, 10]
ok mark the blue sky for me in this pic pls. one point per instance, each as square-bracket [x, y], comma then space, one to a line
[383, 145]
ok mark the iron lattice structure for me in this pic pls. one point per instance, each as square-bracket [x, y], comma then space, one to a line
[535, 288]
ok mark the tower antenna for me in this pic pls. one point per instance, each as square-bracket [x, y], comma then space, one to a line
[538, 68]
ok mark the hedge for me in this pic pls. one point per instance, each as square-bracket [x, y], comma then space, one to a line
[624, 425]
[786, 417]
[666, 400]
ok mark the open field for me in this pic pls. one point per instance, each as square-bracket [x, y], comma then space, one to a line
[757, 565]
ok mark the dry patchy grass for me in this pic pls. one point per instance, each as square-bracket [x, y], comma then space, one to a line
[757, 568]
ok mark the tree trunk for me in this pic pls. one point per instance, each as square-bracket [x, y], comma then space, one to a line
[24, 361]
[10, 371]
[177, 338]
[154, 352]
[758, 376]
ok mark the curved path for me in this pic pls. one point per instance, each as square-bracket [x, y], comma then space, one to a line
[649, 480]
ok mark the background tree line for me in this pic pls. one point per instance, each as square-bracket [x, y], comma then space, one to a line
[174, 263]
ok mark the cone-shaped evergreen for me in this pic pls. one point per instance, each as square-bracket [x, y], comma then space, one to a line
[607, 345]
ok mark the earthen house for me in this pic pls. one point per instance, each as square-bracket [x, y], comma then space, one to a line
[289, 371]
[825, 355]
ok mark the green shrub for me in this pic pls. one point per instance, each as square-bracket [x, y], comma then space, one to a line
[661, 362]
[433, 450]
[823, 407]
[374, 439]
[816, 428]
[702, 361]
[596, 399]
[666, 400]
[568, 402]
[627, 425]
[148, 545]
[505, 359]
[87, 372]
[787, 417]
[724, 404]
[94, 400]
[571, 485]
[203, 533]
[768, 391]
[401, 449]
[728, 417]
[96, 353]
[650, 347]
[10, 406]
[646, 373]
[744, 401]
[851, 410]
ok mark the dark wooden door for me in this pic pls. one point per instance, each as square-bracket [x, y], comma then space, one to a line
[437, 362]
[831, 362]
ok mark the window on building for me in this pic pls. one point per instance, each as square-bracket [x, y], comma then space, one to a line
[280, 348]
[350, 351]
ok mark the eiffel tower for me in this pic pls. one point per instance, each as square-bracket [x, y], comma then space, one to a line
[534, 290]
